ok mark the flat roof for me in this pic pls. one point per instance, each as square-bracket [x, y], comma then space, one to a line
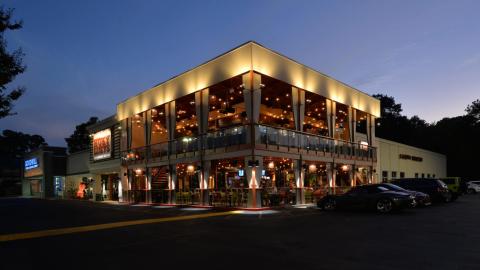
[248, 56]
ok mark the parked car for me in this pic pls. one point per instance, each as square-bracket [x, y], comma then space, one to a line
[373, 197]
[422, 199]
[473, 187]
[453, 184]
[435, 188]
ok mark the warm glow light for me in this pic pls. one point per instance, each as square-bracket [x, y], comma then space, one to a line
[190, 168]
[312, 168]
[271, 165]
[345, 168]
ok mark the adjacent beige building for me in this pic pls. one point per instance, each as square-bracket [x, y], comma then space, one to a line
[396, 160]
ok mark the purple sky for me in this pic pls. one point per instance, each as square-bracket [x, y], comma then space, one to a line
[84, 57]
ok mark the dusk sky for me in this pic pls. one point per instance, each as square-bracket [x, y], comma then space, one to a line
[84, 57]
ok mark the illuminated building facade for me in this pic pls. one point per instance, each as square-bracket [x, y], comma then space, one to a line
[250, 128]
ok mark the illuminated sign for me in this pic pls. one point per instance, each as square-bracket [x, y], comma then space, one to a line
[31, 163]
[102, 144]
[241, 172]
[414, 158]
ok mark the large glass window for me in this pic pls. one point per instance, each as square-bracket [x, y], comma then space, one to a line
[343, 180]
[361, 122]
[186, 117]
[159, 125]
[315, 118]
[342, 128]
[276, 103]
[226, 105]
[228, 174]
[138, 130]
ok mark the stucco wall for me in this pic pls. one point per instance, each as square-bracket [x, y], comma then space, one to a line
[389, 160]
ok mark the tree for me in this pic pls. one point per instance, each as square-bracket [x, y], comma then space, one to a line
[15, 144]
[80, 139]
[10, 64]
[388, 106]
[473, 110]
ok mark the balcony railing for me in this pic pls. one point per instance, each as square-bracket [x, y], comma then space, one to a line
[300, 141]
[272, 138]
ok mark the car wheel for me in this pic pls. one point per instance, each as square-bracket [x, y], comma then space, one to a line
[470, 191]
[384, 206]
[329, 205]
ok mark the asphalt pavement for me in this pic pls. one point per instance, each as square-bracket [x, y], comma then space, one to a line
[442, 236]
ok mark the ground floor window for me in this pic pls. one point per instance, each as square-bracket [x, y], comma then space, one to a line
[343, 179]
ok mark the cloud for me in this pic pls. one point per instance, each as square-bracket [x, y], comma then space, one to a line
[470, 61]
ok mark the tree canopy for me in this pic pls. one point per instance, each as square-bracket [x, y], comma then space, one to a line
[14, 144]
[456, 137]
[80, 139]
[10, 64]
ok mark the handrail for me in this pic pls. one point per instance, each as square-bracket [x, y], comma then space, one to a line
[192, 143]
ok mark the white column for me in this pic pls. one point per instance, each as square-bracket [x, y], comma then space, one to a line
[204, 188]
[172, 182]
[254, 175]
[148, 186]
[299, 173]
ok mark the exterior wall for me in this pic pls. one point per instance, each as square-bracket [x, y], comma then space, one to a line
[78, 163]
[389, 160]
[52, 162]
[248, 57]
[106, 166]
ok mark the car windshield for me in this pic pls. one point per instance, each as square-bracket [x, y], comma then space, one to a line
[382, 188]
[393, 187]
[449, 181]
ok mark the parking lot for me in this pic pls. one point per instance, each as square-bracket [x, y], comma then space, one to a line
[443, 236]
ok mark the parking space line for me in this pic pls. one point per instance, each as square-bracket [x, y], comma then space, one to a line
[88, 228]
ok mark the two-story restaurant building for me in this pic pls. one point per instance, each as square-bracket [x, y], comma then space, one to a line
[249, 128]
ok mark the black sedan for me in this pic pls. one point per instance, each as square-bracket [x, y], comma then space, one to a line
[421, 198]
[374, 197]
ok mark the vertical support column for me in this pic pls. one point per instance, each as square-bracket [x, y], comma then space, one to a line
[252, 96]
[171, 120]
[328, 169]
[352, 116]
[353, 175]
[129, 185]
[148, 133]
[254, 175]
[371, 129]
[300, 180]
[333, 171]
[122, 182]
[172, 182]
[148, 185]
[204, 188]
[331, 112]
[123, 135]
[129, 133]
[204, 109]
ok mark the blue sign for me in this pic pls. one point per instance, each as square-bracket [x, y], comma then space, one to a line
[241, 172]
[31, 163]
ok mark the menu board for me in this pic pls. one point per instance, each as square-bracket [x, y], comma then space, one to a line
[102, 144]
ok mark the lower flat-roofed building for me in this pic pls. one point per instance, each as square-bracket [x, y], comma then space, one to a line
[396, 160]
[44, 172]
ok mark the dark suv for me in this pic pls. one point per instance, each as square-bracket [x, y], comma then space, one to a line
[436, 189]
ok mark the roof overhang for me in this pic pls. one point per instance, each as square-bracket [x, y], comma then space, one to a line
[249, 56]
